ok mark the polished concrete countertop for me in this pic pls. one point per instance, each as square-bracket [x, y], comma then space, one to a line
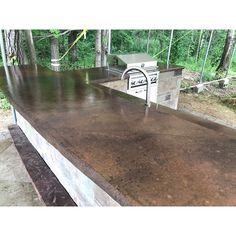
[139, 156]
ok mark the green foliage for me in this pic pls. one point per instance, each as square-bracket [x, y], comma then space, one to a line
[129, 41]
[55, 33]
[183, 51]
[4, 104]
[1, 62]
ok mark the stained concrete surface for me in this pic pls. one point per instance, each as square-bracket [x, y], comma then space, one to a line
[154, 156]
[16, 188]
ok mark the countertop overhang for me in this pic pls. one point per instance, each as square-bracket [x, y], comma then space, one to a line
[139, 156]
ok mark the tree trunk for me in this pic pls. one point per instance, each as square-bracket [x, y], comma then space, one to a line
[3, 51]
[30, 42]
[199, 45]
[55, 54]
[98, 48]
[227, 53]
[161, 35]
[104, 46]
[73, 56]
[15, 55]
[190, 46]
[148, 40]
[23, 46]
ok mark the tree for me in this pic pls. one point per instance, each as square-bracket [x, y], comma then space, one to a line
[73, 56]
[55, 64]
[104, 46]
[199, 45]
[98, 48]
[226, 55]
[31, 47]
[14, 51]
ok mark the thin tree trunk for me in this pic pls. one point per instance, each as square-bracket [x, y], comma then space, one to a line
[199, 46]
[227, 53]
[23, 46]
[189, 46]
[73, 56]
[109, 42]
[161, 40]
[14, 51]
[98, 48]
[55, 54]
[30, 42]
[104, 46]
[148, 40]
[2, 45]
[206, 55]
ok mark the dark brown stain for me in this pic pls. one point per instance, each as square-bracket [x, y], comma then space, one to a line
[163, 157]
[47, 184]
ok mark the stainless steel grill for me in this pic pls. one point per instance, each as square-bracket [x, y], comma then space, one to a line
[136, 81]
[119, 63]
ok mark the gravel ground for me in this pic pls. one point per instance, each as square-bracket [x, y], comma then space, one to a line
[5, 119]
[16, 187]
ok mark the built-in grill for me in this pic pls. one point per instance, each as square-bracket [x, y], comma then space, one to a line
[119, 63]
[137, 80]
[137, 83]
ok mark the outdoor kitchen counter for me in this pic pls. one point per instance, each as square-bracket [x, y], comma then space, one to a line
[139, 156]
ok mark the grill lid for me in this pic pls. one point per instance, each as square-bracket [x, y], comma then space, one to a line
[124, 61]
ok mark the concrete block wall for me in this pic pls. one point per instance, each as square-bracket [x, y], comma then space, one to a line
[168, 88]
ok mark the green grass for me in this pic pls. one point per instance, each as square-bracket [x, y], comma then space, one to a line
[209, 70]
[4, 104]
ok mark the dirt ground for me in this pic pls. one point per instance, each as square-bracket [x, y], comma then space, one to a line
[209, 105]
[16, 187]
[214, 103]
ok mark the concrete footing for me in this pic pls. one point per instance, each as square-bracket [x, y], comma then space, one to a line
[223, 83]
[199, 88]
